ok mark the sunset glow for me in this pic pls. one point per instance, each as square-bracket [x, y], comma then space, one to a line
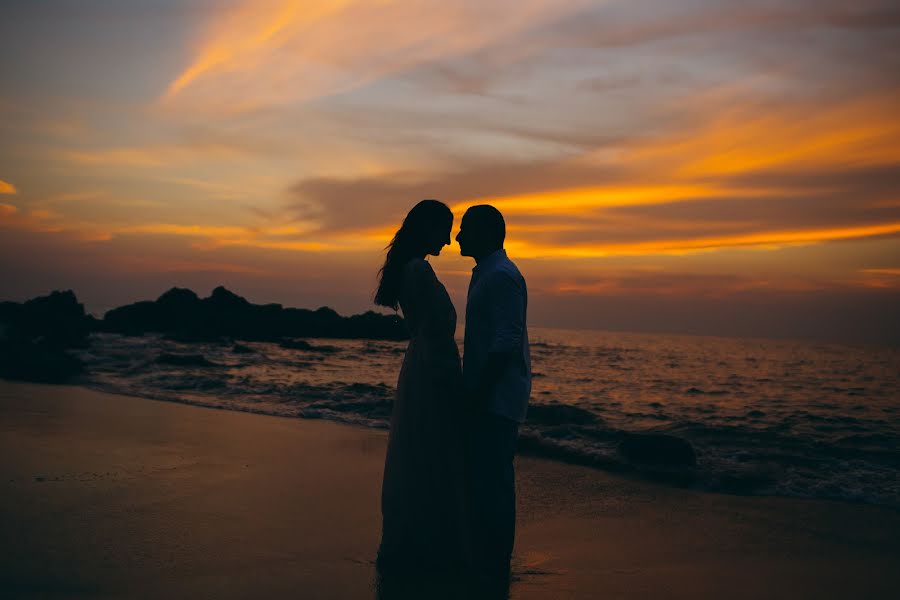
[275, 146]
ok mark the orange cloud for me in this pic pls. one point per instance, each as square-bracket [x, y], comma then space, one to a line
[129, 157]
[895, 272]
[742, 139]
[571, 202]
[7, 188]
[679, 284]
[766, 239]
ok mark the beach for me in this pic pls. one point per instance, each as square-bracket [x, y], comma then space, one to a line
[106, 495]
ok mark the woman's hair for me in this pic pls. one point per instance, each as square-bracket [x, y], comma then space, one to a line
[409, 241]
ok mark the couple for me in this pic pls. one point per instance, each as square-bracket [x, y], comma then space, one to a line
[448, 496]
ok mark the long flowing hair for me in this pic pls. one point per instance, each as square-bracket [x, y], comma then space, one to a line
[409, 241]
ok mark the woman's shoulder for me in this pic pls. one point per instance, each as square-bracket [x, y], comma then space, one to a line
[417, 266]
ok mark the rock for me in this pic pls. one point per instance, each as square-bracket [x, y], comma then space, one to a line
[304, 345]
[555, 413]
[132, 319]
[56, 320]
[242, 349]
[657, 449]
[184, 360]
[37, 362]
[179, 299]
[295, 344]
[180, 314]
[36, 334]
[226, 299]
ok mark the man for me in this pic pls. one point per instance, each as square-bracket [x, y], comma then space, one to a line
[497, 375]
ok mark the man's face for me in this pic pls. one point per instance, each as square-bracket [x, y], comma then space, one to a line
[465, 238]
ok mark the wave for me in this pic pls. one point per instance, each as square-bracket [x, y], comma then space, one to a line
[791, 448]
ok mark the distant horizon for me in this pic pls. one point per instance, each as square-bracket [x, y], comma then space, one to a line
[888, 341]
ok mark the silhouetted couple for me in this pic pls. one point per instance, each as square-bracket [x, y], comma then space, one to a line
[448, 496]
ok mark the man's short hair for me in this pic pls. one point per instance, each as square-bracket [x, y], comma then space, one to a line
[489, 222]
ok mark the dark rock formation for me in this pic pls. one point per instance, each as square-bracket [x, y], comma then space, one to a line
[34, 336]
[179, 313]
[36, 361]
[57, 320]
[657, 449]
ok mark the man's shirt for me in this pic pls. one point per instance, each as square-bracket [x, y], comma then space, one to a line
[496, 322]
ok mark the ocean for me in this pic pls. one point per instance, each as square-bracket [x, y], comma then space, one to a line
[765, 417]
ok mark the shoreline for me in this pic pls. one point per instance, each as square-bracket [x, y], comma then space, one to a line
[110, 494]
[531, 444]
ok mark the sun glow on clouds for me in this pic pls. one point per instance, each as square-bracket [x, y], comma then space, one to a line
[276, 52]
[744, 139]
[721, 162]
[770, 240]
[608, 134]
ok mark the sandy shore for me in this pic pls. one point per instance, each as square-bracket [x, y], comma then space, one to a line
[107, 495]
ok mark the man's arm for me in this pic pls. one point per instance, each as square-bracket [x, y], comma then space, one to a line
[507, 308]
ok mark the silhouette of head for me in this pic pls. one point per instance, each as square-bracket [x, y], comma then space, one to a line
[425, 230]
[481, 231]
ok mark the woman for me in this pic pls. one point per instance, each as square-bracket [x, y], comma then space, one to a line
[422, 494]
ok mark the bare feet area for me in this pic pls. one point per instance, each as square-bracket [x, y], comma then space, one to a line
[112, 496]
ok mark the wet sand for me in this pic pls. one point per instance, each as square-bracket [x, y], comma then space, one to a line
[104, 495]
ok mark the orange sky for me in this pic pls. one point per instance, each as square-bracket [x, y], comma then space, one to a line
[702, 154]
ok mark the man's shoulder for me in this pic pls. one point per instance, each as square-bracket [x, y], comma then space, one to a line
[504, 274]
[507, 268]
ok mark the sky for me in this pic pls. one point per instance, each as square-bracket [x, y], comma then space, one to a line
[727, 167]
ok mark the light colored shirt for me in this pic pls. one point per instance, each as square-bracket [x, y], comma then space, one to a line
[496, 311]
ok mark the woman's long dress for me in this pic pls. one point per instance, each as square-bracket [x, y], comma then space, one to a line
[422, 499]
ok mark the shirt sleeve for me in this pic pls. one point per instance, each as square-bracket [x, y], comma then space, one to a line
[507, 308]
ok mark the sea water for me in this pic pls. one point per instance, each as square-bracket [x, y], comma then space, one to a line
[766, 417]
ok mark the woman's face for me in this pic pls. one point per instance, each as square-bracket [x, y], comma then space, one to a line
[439, 237]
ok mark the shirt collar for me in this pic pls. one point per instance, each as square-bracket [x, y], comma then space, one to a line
[490, 260]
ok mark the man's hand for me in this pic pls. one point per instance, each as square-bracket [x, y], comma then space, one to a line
[493, 369]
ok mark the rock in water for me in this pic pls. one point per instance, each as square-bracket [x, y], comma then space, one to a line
[37, 362]
[657, 449]
[57, 320]
[554, 413]
[304, 345]
[184, 360]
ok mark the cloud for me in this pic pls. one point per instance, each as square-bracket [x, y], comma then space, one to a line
[616, 24]
[895, 272]
[695, 136]
[7, 188]
[683, 284]
[146, 264]
[752, 175]
[742, 137]
[768, 239]
[117, 157]
[276, 52]
[204, 237]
